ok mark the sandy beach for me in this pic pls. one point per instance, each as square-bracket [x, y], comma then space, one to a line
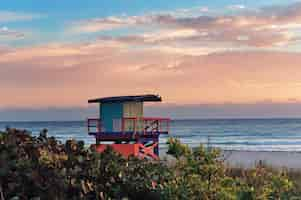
[277, 159]
[248, 159]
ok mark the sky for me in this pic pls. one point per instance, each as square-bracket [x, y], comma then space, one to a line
[207, 59]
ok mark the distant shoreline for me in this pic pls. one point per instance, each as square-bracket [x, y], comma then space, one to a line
[173, 119]
[248, 159]
[248, 141]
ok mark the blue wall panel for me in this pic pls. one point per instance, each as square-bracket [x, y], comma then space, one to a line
[108, 112]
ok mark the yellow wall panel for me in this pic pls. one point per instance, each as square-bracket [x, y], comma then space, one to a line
[133, 109]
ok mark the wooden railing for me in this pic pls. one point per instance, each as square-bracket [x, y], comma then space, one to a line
[145, 125]
[94, 125]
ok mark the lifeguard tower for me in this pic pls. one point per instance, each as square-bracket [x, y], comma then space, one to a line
[122, 125]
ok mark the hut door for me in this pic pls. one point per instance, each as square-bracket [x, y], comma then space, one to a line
[133, 110]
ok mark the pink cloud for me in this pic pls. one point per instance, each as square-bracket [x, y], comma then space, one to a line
[268, 27]
[67, 75]
[187, 59]
[109, 23]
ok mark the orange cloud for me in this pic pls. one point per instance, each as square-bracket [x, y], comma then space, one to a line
[67, 75]
[187, 59]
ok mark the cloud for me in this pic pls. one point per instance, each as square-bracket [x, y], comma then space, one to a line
[109, 23]
[9, 16]
[119, 22]
[188, 59]
[266, 27]
[66, 75]
[4, 50]
[236, 7]
[204, 9]
[7, 34]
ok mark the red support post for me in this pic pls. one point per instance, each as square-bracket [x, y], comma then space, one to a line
[148, 151]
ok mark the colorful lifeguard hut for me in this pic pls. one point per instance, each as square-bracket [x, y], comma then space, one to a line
[122, 125]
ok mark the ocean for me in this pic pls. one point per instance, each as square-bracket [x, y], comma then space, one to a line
[227, 134]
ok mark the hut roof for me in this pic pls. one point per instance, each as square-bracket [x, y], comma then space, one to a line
[121, 99]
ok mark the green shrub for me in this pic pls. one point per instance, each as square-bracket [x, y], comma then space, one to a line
[43, 168]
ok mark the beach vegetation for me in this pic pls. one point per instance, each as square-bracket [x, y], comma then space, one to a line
[44, 168]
